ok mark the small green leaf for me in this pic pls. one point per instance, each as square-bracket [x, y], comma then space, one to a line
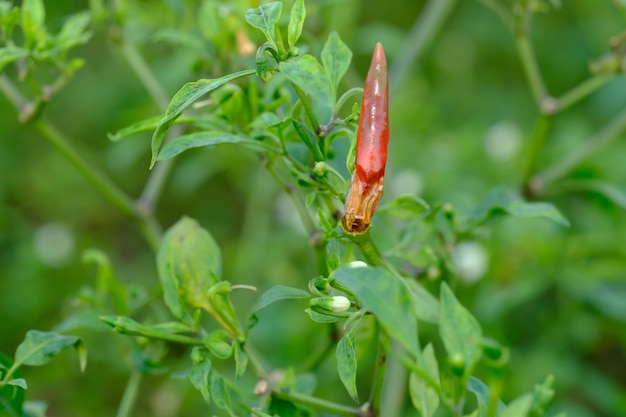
[308, 75]
[108, 287]
[206, 139]
[38, 348]
[74, 31]
[184, 98]
[406, 207]
[520, 407]
[219, 344]
[11, 398]
[336, 57]
[347, 364]
[425, 399]
[218, 390]
[296, 22]
[265, 18]
[189, 264]
[425, 304]
[18, 382]
[241, 361]
[502, 201]
[199, 377]
[222, 309]
[309, 138]
[169, 331]
[278, 293]
[387, 297]
[460, 332]
[11, 54]
[33, 21]
[481, 391]
[321, 318]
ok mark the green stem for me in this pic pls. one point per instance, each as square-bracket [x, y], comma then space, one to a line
[582, 90]
[500, 10]
[529, 61]
[542, 128]
[144, 74]
[419, 38]
[319, 404]
[97, 179]
[600, 139]
[130, 395]
[394, 391]
[379, 371]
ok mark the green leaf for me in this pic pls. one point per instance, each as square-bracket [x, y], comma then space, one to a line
[336, 57]
[74, 31]
[184, 98]
[321, 318]
[309, 138]
[425, 304]
[33, 21]
[460, 332]
[107, 284]
[387, 297]
[425, 399]
[18, 382]
[169, 331]
[347, 362]
[11, 398]
[241, 361]
[520, 407]
[38, 348]
[308, 75]
[11, 54]
[219, 393]
[219, 344]
[481, 391]
[278, 293]
[406, 207]
[189, 264]
[296, 22]
[265, 18]
[502, 201]
[222, 309]
[199, 377]
[200, 139]
[615, 194]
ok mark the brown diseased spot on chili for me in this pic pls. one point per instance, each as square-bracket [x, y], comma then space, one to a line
[366, 188]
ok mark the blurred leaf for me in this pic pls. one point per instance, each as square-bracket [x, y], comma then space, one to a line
[460, 332]
[184, 98]
[202, 139]
[425, 304]
[35, 408]
[607, 297]
[107, 284]
[38, 348]
[169, 331]
[219, 393]
[189, 264]
[219, 344]
[610, 191]
[308, 75]
[387, 297]
[502, 201]
[33, 21]
[425, 399]
[406, 207]
[11, 54]
[336, 57]
[296, 22]
[74, 31]
[265, 18]
[18, 382]
[481, 391]
[542, 397]
[241, 361]
[520, 407]
[11, 397]
[346, 358]
[199, 377]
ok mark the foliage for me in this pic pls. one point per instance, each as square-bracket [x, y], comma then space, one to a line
[412, 317]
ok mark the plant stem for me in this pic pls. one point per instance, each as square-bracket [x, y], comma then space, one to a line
[99, 181]
[500, 10]
[419, 38]
[394, 391]
[542, 128]
[531, 68]
[582, 90]
[600, 139]
[130, 395]
[379, 371]
[319, 404]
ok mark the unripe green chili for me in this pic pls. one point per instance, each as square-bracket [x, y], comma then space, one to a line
[366, 188]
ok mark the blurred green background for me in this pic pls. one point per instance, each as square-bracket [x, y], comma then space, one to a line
[461, 120]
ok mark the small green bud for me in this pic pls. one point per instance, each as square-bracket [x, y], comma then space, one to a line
[457, 364]
[336, 304]
[320, 169]
[319, 285]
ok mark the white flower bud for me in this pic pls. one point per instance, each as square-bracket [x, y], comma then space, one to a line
[357, 264]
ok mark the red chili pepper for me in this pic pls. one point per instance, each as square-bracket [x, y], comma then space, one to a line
[366, 188]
